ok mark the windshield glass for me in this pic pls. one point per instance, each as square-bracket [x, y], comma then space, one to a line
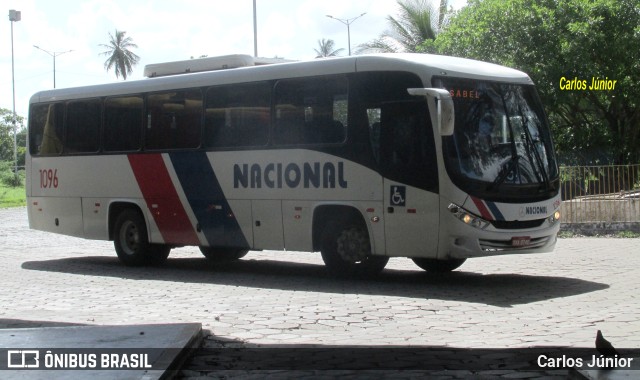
[501, 137]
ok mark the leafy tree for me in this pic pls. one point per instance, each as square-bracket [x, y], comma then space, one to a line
[570, 39]
[120, 56]
[6, 136]
[7, 176]
[326, 48]
[417, 23]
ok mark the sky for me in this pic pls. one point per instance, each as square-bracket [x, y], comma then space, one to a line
[168, 30]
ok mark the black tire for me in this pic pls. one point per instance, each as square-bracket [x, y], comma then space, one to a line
[131, 241]
[346, 250]
[223, 254]
[438, 266]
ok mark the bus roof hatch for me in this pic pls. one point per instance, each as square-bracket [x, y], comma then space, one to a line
[223, 62]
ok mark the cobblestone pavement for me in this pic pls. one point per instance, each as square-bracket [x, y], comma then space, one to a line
[286, 299]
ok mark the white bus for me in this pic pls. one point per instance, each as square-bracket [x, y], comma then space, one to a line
[362, 158]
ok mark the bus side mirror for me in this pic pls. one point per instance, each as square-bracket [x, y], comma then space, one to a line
[444, 104]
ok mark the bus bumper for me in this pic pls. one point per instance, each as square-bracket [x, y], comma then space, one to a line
[469, 242]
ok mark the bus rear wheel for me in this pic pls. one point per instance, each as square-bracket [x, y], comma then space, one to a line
[438, 266]
[346, 250]
[132, 242]
[223, 254]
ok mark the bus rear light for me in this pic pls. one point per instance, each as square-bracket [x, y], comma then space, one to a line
[467, 218]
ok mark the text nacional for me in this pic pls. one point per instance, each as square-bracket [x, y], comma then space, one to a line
[277, 175]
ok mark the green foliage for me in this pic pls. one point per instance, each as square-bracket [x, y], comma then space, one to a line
[12, 196]
[120, 56]
[8, 177]
[627, 235]
[574, 39]
[6, 136]
[413, 30]
[326, 48]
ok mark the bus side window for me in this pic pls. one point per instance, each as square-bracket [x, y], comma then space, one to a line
[238, 115]
[373, 115]
[311, 111]
[122, 123]
[83, 126]
[45, 129]
[173, 120]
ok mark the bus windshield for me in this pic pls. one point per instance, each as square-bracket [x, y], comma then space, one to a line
[501, 140]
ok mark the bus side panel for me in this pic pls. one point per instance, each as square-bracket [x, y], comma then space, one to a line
[267, 227]
[95, 216]
[242, 212]
[286, 185]
[297, 218]
[56, 214]
[81, 188]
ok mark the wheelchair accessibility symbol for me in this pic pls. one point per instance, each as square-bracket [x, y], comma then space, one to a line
[398, 195]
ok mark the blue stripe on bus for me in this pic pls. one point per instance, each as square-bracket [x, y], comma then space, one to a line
[495, 211]
[207, 200]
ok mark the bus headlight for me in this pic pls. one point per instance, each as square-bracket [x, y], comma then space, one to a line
[467, 218]
[555, 217]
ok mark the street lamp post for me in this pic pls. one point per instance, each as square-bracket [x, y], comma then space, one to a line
[13, 17]
[348, 22]
[255, 31]
[54, 54]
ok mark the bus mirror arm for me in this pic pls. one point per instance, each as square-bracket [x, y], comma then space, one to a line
[444, 104]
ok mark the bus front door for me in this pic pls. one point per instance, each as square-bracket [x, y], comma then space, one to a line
[408, 163]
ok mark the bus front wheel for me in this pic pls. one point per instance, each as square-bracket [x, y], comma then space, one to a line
[223, 254]
[438, 266]
[132, 242]
[346, 250]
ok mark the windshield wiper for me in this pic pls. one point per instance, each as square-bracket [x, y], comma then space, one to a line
[512, 164]
[536, 155]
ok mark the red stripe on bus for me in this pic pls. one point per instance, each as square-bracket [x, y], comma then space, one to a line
[484, 212]
[162, 199]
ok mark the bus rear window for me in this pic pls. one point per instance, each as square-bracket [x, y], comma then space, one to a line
[45, 129]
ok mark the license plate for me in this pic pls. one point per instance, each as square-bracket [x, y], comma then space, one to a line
[520, 241]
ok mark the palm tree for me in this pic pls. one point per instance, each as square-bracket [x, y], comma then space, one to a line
[119, 54]
[327, 49]
[418, 22]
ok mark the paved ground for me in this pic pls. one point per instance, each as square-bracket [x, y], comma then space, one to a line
[286, 299]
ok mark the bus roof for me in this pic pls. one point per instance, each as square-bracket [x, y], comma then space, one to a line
[424, 65]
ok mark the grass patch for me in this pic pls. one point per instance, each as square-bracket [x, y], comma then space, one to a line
[12, 192]
[627, 235]
[567, 234]
[619, 234]
[12, 196]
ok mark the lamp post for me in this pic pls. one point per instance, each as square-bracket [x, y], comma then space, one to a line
[255, 31]
[54, 54]
[348, 22]
[13, 17]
